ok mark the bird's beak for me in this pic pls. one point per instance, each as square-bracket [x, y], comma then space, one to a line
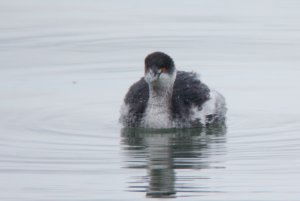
[154, 74]
[157, 73]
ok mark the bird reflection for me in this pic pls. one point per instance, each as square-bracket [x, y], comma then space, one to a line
[164, 151]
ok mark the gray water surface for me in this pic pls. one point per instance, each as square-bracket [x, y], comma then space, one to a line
[65, 66]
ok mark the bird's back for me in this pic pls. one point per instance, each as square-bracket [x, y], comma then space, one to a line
[188, 92]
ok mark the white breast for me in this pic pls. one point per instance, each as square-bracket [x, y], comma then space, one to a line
[157, 116]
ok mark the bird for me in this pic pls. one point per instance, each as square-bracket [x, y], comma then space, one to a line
[169, 98]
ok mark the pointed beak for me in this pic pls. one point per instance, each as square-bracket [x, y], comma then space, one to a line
[157, 74]
[154, 75]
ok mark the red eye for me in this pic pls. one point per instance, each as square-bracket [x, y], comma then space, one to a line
[163, 70]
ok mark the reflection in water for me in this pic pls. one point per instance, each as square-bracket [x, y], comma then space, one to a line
[165, 152]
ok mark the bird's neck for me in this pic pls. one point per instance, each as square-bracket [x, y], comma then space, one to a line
[158, 111]
[160, 94]
[160, 97]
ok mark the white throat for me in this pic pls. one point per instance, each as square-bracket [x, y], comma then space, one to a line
[158, 111]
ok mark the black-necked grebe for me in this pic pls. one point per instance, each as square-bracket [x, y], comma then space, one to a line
[167, 98]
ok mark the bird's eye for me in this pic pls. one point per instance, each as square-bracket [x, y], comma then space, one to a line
[163, 69]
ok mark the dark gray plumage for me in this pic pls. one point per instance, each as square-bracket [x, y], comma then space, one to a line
[188, 91]
[167, 98]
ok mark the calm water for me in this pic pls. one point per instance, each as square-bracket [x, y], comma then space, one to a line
[67, 64]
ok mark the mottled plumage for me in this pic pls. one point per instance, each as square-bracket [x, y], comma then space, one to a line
[166, 98]
[188, 91]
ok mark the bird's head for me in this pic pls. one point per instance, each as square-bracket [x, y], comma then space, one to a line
[160, 70]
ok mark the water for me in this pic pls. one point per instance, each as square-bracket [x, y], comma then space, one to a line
[66, 66]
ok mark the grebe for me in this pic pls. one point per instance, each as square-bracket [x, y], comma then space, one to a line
[167, 98]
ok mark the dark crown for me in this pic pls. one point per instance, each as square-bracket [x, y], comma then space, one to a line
[159, 60]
